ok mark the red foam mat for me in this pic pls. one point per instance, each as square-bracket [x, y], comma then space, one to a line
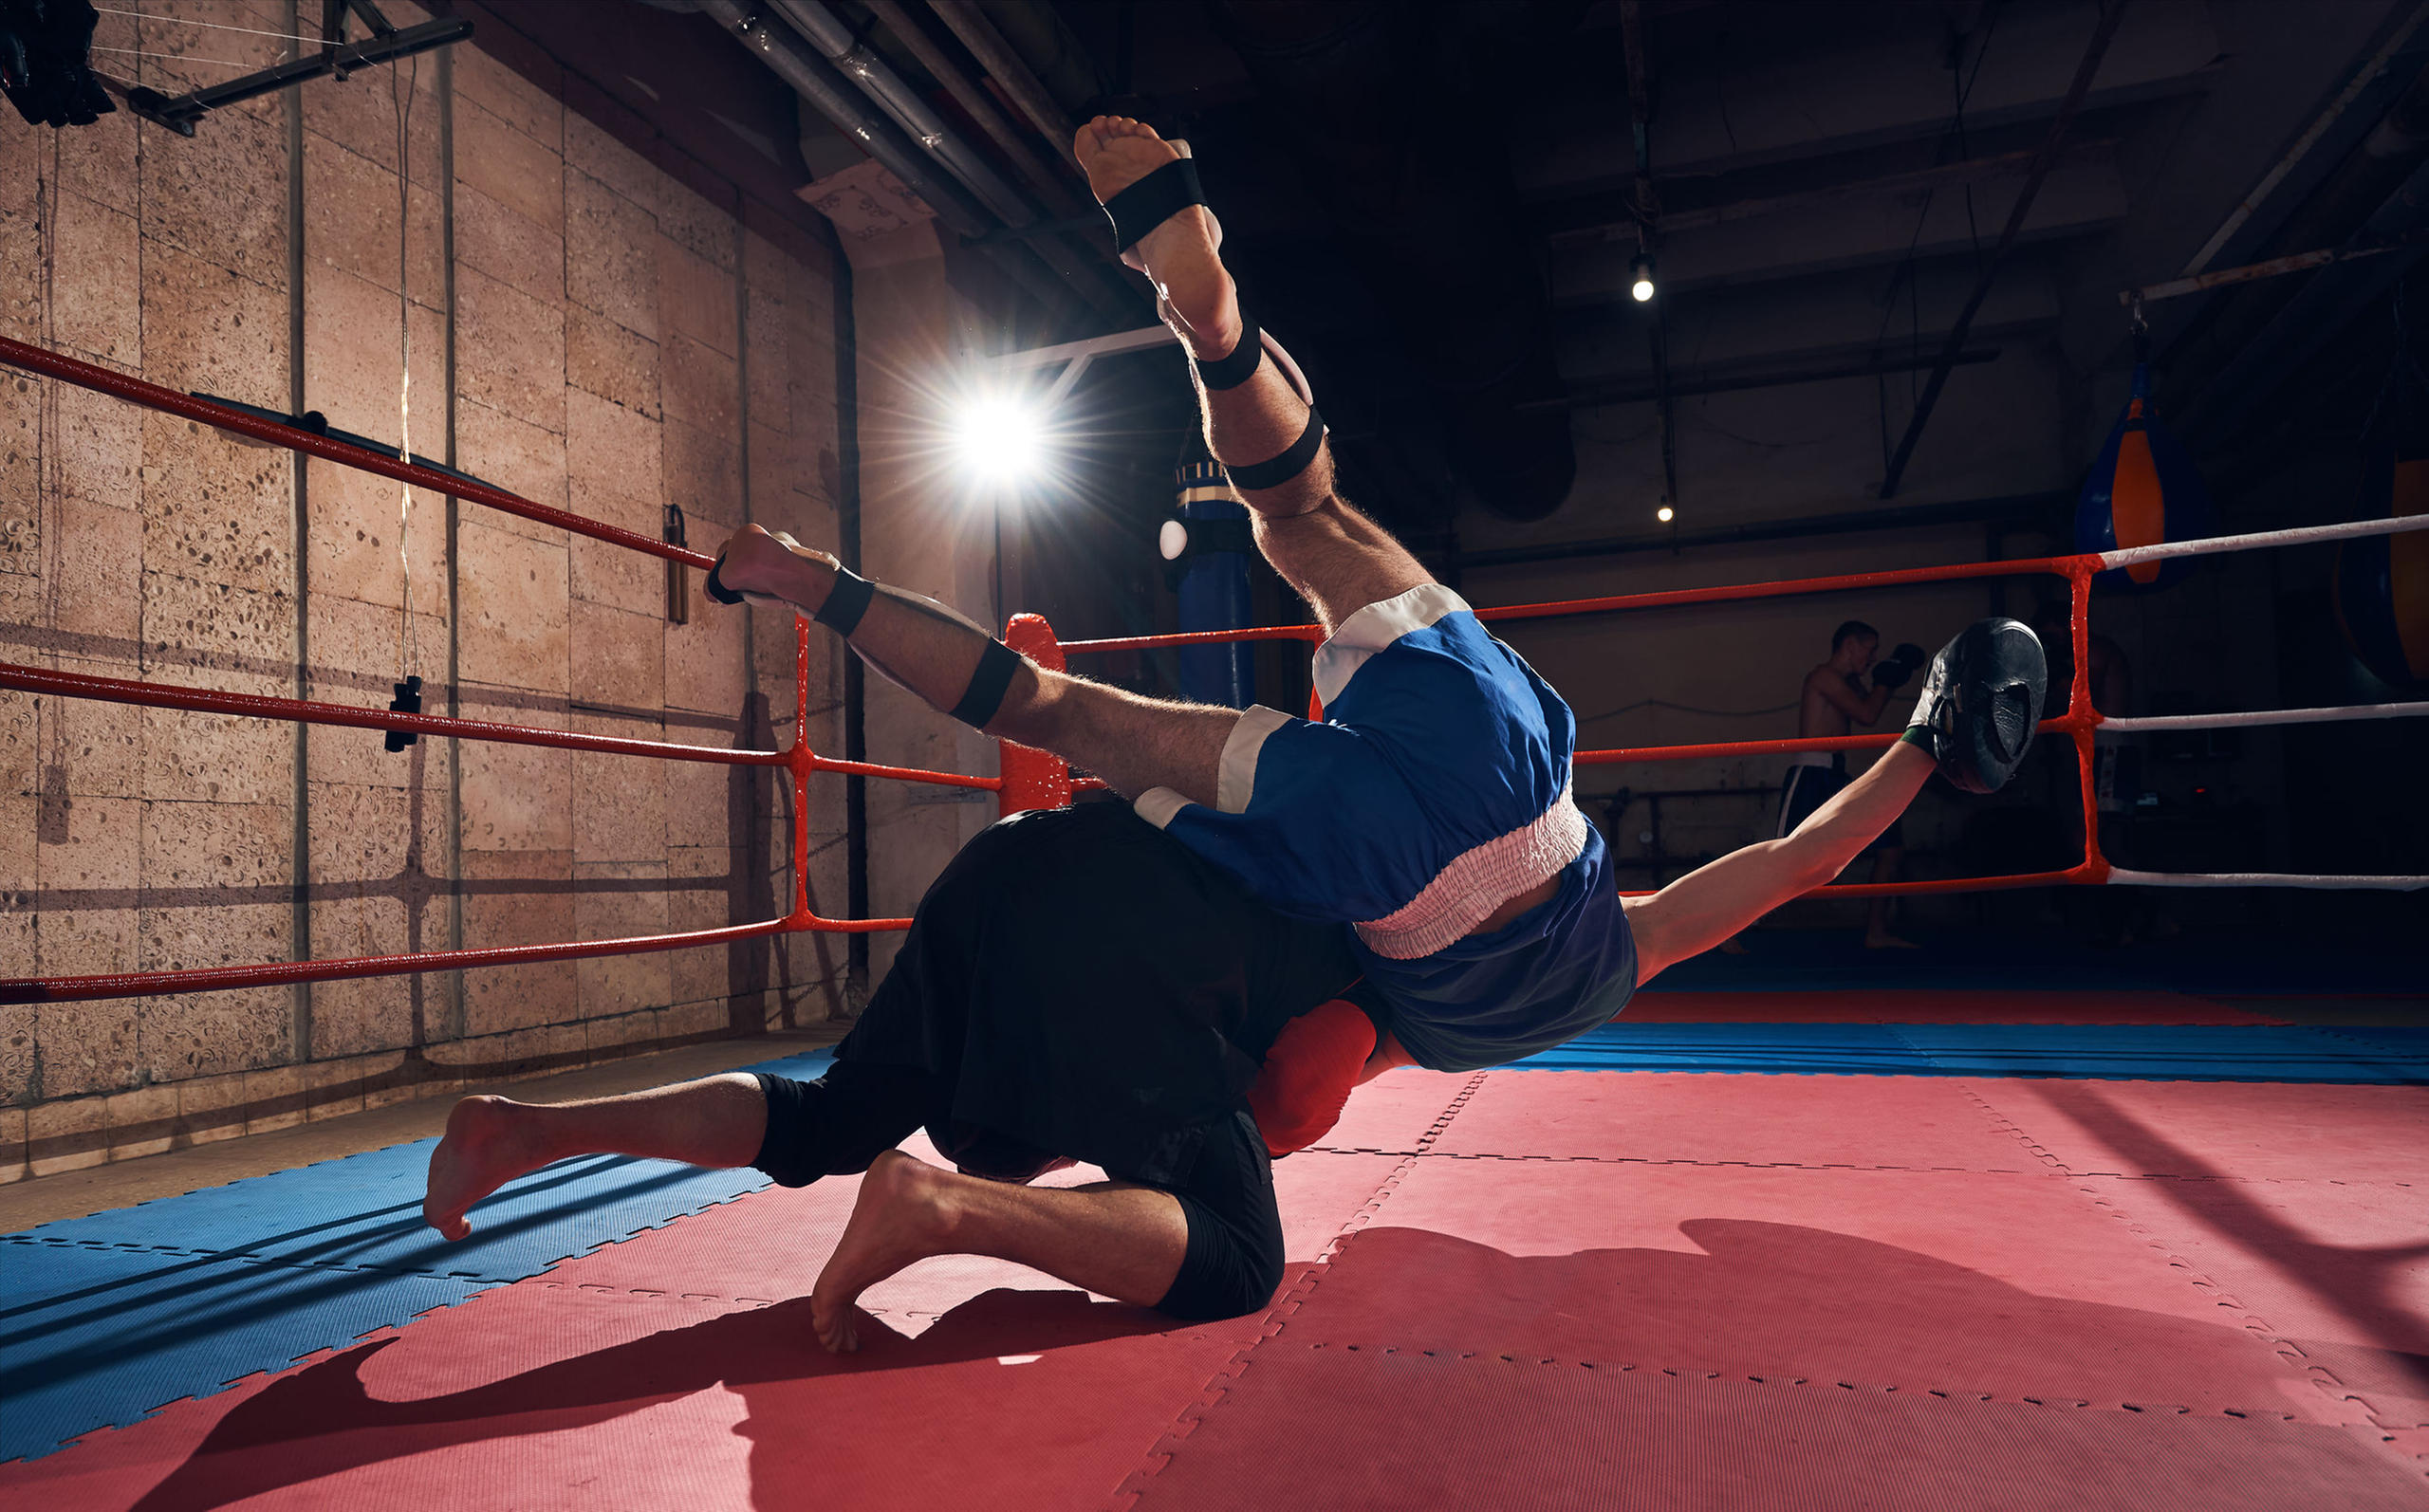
[1368, 1433]
[1937, 1006]
[538, 1397]
[1924, 1122]
[771, 1244]
[1621, 1327]
[1395, 1110]
[2253, 1131]
[2014, 1285]
[2339, 1271]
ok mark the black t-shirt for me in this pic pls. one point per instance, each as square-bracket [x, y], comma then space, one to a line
[1092, 988]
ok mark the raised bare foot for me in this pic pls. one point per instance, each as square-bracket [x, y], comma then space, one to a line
[902, 1216]
[771, 566]
[1179, 256]
[487, 1145]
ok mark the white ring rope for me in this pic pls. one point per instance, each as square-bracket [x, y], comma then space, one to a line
[2127, 556]
[2121, 877]
[2268, 716]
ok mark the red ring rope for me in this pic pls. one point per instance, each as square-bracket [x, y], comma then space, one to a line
[1031, 779]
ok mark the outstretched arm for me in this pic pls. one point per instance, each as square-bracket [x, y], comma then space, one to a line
[1717, 899]
[918, 644]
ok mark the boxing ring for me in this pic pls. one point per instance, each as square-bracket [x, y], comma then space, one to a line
[1933, 1236]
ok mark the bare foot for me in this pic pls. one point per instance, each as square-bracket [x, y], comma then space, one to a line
[902, 1216]
[773, 566]
[1888, 942]
[1179, 256]
[487, 1145]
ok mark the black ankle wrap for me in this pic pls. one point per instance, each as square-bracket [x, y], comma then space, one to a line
[987, 685]
[1237, 365]
[1275, 471]
[845, 602]
[1152, 201]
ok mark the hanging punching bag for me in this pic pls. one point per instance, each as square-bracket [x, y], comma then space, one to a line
[2142, 490]
[2381, 590]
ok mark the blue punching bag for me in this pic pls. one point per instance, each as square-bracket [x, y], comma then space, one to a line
[1211, 549]
[2142, 490]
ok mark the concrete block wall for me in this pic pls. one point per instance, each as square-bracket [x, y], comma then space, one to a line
[620, 341]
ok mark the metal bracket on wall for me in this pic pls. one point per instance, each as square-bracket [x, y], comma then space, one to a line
[336, 59]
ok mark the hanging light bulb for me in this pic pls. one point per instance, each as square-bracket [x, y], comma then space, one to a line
[1663, 514]
[1640, 277]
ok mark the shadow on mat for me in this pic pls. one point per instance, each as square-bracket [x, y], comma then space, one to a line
[323, 1421]
[1773, 1300]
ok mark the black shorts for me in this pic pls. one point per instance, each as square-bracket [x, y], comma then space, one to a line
[840, 1123]
[1809, 787]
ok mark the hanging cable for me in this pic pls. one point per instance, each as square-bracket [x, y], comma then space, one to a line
[408, 699]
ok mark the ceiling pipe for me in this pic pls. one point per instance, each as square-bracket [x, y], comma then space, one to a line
[877, 78]
[2111, 12]
[997, 55]
[815, 80]
[967, 93]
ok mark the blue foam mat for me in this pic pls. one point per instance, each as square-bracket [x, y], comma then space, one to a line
[2113, 1052]
[2253, 964]
[93, 1338]
[104, 1317]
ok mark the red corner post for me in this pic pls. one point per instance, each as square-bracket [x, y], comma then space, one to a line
[2082, 718]
[1032, 779]
[799, 763]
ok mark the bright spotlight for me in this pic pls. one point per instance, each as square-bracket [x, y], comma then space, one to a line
[1662, 514]
[1640, 277]
[1001, 439]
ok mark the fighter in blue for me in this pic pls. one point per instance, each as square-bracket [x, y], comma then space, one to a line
[1429, 812]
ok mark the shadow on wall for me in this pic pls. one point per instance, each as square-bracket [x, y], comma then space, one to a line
[1830, 1321]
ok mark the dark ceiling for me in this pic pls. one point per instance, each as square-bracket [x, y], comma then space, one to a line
[1437, 203]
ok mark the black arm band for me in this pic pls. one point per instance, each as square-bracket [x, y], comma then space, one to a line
[1152, 201]
[1237, 365]
[1275, 471]
[987, 685]
[845, 602]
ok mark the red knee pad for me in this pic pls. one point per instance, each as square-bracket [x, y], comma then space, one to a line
[1309, 1072]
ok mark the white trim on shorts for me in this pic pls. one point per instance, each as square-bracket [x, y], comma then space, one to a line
[1465, 893]
[1375, 627]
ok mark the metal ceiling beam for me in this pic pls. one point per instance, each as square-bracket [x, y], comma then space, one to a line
[1589, 393]
[1950, 175]
[2111, 12]
[2019, 508]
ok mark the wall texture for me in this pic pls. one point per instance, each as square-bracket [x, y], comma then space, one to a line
[586, 330]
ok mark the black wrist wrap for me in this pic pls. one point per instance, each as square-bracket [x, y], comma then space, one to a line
[987, 685]
[845, 602]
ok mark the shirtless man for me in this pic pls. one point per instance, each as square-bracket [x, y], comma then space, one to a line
[1835, 701]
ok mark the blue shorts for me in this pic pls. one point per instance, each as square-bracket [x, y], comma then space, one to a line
[1435, 789]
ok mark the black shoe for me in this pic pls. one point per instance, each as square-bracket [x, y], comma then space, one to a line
[1981, 702]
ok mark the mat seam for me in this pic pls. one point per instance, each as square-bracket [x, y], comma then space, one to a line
[2258, 1329]
[1134, 1485]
